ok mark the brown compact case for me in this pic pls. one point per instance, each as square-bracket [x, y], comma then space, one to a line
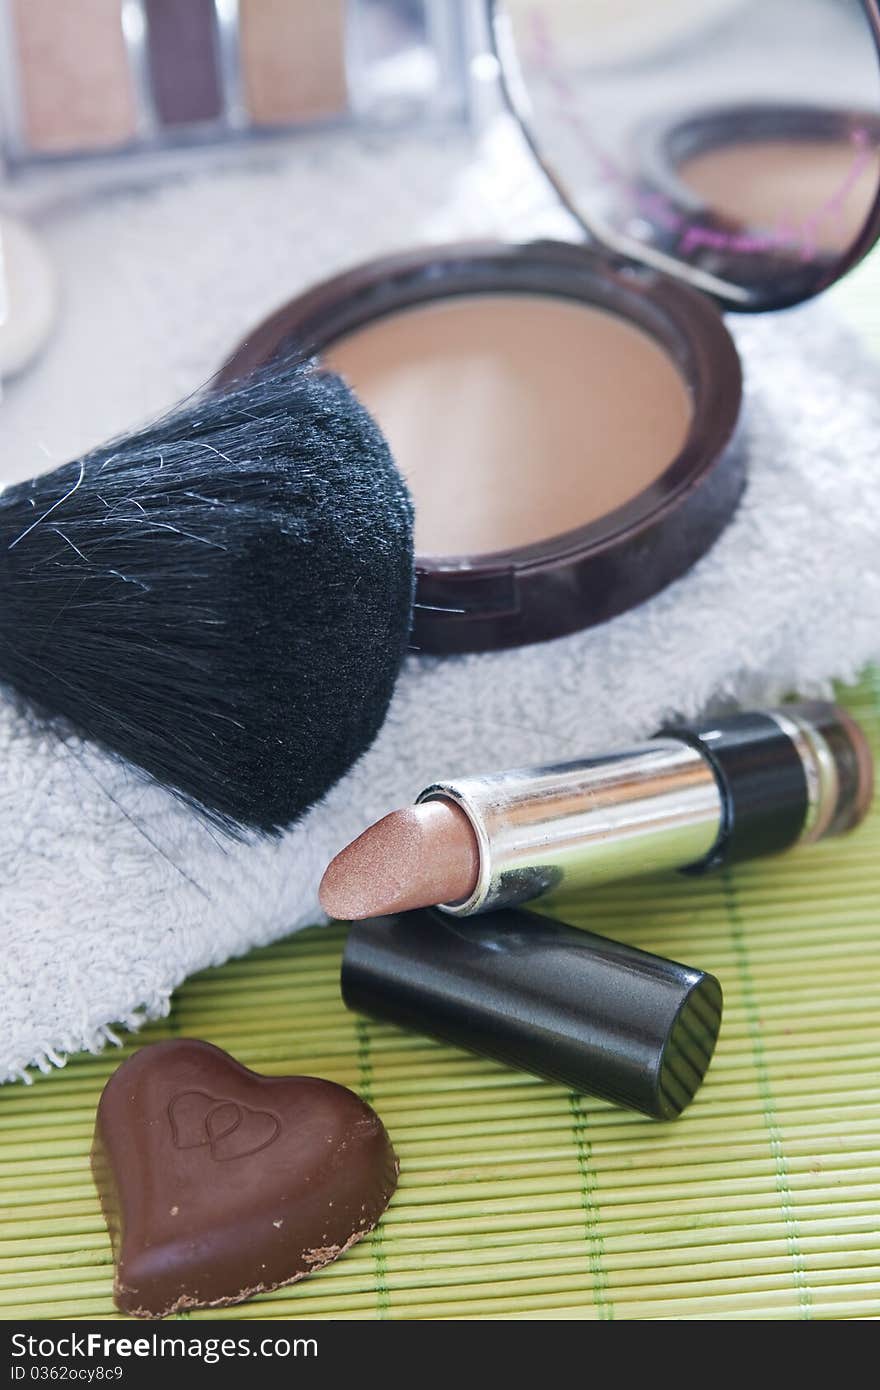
[711, 161]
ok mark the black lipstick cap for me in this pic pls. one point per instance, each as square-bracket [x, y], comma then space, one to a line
[598, 1016]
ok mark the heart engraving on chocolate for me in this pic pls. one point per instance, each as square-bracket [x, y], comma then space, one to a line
[188, 1111]
[313, 1171]
[230, 1129]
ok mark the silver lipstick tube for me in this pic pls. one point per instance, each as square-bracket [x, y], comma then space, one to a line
[665, 804]
[575, 824]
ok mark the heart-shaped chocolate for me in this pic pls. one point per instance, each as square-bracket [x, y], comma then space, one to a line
[217, 1183]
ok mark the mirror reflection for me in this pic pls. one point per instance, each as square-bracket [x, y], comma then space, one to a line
[739, 137]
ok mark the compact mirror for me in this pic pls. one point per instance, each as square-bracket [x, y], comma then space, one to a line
[735, 143]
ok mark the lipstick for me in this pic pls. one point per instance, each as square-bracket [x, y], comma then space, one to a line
[693, 798]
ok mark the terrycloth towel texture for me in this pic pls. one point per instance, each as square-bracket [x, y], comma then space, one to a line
[110, 891]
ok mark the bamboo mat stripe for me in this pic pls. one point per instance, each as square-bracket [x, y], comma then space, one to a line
[518, 1198]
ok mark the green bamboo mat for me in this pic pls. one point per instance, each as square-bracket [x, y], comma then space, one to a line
[519, 1198]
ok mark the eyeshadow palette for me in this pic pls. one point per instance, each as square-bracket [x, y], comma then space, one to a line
[99, 77]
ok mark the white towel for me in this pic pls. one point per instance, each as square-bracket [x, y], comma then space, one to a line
[111, 892]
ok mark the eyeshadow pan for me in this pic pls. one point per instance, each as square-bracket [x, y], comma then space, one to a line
[182, 49]
[76, 84]
[293, 59]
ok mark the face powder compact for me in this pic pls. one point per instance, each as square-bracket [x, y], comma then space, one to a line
[566, 413]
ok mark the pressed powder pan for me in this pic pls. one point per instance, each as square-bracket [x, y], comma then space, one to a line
[605, 366]
[501, 359]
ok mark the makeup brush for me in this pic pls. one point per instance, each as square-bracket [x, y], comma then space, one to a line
[222, 599]
[694, 798]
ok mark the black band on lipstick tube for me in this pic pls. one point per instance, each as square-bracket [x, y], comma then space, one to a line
[762, 782]
[596, 1015]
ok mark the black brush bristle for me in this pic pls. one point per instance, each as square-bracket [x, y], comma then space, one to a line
[222, 599]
